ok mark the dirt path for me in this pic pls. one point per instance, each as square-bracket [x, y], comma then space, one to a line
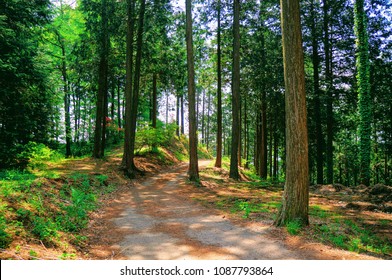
[155, 219]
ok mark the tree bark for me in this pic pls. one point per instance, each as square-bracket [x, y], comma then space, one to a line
[296, 193]
[182, 115]
[119, 121]
[218, 161]
[329, 80]
[132, 169]
[154, 101]
[234, 174]
[178, 116]
[68, 137]
[193, 171]
[100, 120]
[127, 156]
[317, 106]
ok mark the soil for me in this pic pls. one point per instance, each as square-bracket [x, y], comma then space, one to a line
[155, 218]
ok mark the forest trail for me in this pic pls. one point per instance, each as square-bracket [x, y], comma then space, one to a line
[155, 219]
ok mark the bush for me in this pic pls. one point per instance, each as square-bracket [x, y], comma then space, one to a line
[35, 155]
[75, 216]
[150, 137]
[44, 228]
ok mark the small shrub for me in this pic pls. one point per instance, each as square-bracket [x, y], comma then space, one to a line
[33, 254]
[338, 240]
[44, 228]
[75, 216]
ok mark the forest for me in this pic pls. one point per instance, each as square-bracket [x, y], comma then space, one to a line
[291, 93]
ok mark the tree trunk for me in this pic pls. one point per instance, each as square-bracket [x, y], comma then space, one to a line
[218, 162]
[112, 101]
[102, 85]
[296, 193]
[68, 137]
[264, 143]
[329, 79]
[104, 120]
[132, 170]
[182, 115]
[193, 161]
[364, 96]
[154, 101]
[203, 133]
[127, 156]
[317, 106]
[118, 104]
[178, 116]
[208, 121]
[246, 131]
[234, 174]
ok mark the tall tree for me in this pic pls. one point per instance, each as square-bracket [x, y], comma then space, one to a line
[136, 86]
[25, 99]
[218, 162]
[235, 139]
[100, 118]
[193, 171]
[127, 160]
[296, 193]
[364, 97]
[316, 91]
[329, 82]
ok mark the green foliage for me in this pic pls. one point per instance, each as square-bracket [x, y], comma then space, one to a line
[33, 207]
[293, 227]
[364, 96]
[33, 254]
[45, 229]
[317, 211]
[25, 101]
[203, 152]
[150, 137]
[350, 235]
[67, 256]
[5, 238]
[247, 206]
[36, 154]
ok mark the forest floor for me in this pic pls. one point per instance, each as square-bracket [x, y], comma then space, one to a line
[164, 216]
[160, 217]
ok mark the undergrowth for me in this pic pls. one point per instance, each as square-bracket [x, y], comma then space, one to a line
[51, 211]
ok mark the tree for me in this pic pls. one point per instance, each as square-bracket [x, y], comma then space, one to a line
[193, 171]
[317, 93]
[136, 85]
[101, 107]
[218, 162]
[365, 100]
[26, 103]
[296, 192]
[235, 139]
[132, 94]
[127, 160]
[329, 81]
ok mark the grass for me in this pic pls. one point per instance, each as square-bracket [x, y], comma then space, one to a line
[293, 227]
[261, 199]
